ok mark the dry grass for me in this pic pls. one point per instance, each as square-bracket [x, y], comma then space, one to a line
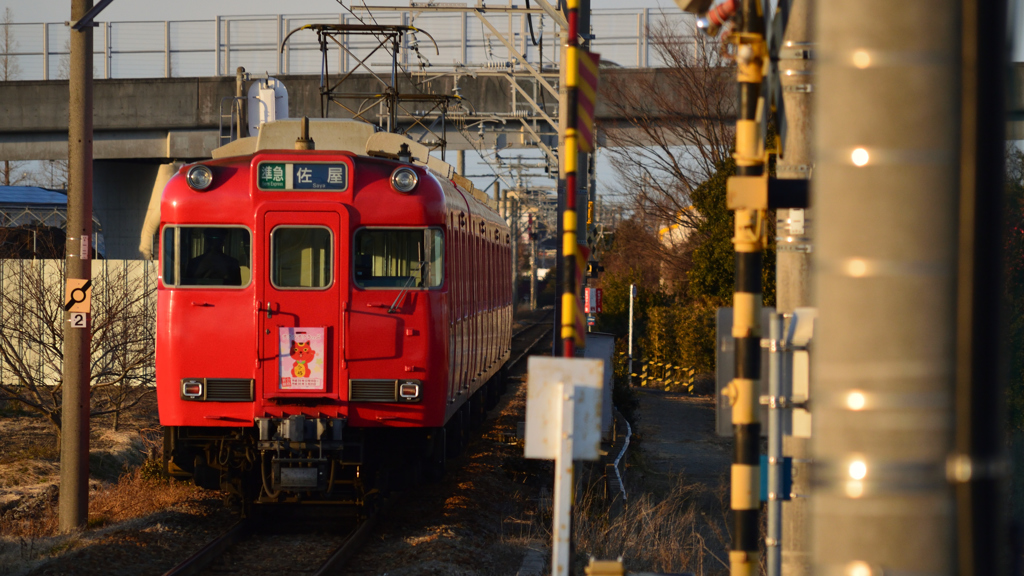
[135, 494]
[31, 539]
[682, 530]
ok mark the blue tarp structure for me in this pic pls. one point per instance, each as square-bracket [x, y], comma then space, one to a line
[29, 209]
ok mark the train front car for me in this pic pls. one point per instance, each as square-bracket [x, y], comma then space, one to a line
[316, 327]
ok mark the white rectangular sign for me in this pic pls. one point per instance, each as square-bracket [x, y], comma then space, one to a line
[551, 383]
[78, 319]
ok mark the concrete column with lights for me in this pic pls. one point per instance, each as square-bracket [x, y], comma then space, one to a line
[884, 263]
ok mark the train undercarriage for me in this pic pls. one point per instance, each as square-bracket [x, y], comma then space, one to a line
[304, 460]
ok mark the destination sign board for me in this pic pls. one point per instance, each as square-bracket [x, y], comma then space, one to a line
[305, 176]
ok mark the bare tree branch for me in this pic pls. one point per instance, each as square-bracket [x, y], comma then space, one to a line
[679, 131]
[32, 324]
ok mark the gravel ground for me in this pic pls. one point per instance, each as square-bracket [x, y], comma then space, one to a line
[482, 519]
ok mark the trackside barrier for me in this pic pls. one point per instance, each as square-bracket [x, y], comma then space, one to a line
[665, 376]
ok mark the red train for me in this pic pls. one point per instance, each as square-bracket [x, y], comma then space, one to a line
[325, 318]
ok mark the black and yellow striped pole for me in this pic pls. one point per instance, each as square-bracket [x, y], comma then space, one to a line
[748, 241]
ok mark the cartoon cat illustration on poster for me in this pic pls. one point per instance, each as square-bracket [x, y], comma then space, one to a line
[302, 353]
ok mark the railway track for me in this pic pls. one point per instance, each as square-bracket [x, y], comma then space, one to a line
[213, 557]
[532, 333]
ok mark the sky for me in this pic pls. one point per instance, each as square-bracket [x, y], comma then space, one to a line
[122, 10]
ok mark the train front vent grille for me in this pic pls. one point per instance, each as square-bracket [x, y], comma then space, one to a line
[372, 391]
[228, 390]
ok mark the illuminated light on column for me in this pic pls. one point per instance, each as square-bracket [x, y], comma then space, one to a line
[858, 568]
[856, 268]
[858, 470]
[856, 400]
[860, 157]
[861, 59]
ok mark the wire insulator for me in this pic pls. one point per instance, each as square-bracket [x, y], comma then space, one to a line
[721, 14]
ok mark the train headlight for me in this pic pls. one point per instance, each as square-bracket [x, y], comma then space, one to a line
[199, 177]
[409, 391]
[404, 180]
[191, 388]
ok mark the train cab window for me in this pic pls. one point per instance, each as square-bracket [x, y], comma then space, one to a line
[207, 256]
[301, 257]
[398, 258]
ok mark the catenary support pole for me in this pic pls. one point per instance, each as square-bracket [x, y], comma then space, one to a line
[748, 242]
[773, 553]
[533, 263]
[73, 506]
[885, 195]
[241, 106]
[629, 368]
[516, 237]
[793, 255]
[979, 466]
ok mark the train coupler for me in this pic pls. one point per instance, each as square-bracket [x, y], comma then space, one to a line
[300, 432]
[300, 473]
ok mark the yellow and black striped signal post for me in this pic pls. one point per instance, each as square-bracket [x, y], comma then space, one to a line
[748, 241]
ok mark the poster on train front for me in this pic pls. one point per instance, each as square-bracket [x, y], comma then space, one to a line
[301, 359]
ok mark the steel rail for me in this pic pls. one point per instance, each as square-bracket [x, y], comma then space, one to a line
[513, 361]
[198, 562]
[529, 325]
[348, 548]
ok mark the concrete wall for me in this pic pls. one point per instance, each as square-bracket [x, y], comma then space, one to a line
[121, 193]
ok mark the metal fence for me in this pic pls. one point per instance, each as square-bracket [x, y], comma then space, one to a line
[190, 48]
[32, 321]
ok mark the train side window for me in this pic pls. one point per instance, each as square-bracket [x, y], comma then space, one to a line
[301, 257]
[168, 256]
[207, 256]
[399, 258]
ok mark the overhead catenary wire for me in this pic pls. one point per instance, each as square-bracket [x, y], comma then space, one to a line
[529, 21]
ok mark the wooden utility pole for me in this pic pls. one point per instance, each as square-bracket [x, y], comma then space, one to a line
[73, 508]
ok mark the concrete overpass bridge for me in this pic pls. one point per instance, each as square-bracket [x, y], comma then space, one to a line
[142, 124]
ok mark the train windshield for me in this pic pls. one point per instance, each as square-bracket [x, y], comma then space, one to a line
[399, 258]
[207, 256]
[301, 257]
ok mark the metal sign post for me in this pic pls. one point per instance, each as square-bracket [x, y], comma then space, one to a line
[632, 296]
[563, 423]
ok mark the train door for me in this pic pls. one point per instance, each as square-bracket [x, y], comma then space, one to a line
[303, 297]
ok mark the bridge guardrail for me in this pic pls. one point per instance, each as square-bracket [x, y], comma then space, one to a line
[191, 48]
